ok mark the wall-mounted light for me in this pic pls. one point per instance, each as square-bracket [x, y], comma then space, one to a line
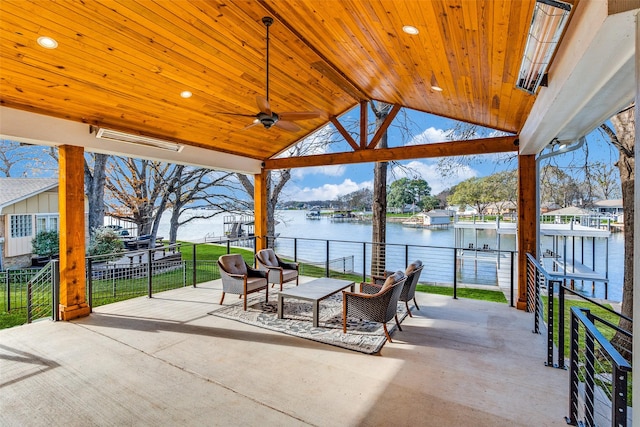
[547, 25]
[128, 138]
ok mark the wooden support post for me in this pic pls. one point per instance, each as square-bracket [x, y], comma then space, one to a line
[260, 194]
[73, 302]
[527, 239]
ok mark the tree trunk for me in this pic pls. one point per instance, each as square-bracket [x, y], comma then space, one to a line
[379, 208]
[624, 140]
[94, 181]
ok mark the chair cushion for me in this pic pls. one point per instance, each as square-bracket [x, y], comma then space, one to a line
[233, 264]
[413, 266]
[288, 275]
[268, 257]
[254, 283]
[391, 280]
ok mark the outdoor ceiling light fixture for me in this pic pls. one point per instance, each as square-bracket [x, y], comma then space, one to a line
[547, 25]
[114, 135]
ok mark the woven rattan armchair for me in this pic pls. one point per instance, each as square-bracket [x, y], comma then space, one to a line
[378, 307]
[239, 278]
[412, 272]
[277, 270]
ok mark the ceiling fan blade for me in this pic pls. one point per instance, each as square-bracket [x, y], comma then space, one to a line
[290, 126]
[263, 105]
[255, 122]
[233, 114]
[300, 115]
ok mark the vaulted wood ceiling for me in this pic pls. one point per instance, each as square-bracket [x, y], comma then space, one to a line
[122, 64]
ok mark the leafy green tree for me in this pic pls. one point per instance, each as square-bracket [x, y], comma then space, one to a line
[105, 241]
[405, 191]
[46, 243]
[476, 192]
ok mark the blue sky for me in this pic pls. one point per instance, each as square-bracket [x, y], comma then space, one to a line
[328, 182]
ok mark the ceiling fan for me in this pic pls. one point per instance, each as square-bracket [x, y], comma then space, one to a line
[268, 118]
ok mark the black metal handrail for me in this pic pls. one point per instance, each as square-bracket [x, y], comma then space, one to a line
[539, 277]
[620, 370]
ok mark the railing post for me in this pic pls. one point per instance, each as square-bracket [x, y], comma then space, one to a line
[512, 274]
[455, 273]
[536, 298]
[364, 261]
[406, 254]
[619, 396]
[194, 264]
[29, 301]
[8, 287]
[150, 273]
[228, 246]
[550, 323]
[90, 284]
[55, 265]
[589, 381]
[560, 325]
[295, 249]
[327, 266]
[572, 419]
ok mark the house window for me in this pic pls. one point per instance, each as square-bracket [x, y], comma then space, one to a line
[46, 223]
[21, 226]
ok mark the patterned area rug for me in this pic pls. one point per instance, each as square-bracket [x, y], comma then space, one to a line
[363, 336]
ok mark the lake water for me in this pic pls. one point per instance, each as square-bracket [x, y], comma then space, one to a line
[295, 224]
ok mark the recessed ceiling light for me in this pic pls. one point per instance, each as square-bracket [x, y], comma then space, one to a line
[186, 94]
[47, 42]
[410, 29]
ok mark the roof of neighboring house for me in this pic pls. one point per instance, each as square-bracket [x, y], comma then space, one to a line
[13, 190]
[612, 203]
[570, 210]
[434, 214]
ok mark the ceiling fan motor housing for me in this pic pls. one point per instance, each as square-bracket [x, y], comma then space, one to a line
[267, 120]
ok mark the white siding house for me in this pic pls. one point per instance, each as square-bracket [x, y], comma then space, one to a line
[27, 206]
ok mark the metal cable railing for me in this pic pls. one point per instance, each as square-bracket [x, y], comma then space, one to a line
[596, 361]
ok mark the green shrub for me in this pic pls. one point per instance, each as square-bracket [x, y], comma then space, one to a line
[104, 241]
[46, 243]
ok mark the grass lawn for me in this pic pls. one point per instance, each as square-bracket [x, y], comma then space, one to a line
[480, 294]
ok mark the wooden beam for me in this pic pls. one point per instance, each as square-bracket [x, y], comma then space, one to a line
[260, 195]
[385, 125]
[73, 302]
[364, 122]
[347, 137]
[527, 230]
[499, 144]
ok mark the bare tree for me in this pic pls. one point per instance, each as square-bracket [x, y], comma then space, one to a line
[139, 191]
[24, 160]
[194, 187]
[95, 176]
[277, 179]
[622, 137]
[379, 220]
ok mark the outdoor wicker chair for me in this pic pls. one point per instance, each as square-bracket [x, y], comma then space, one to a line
[239, 278]
[378, 307]
[412, 272]
[277, 270]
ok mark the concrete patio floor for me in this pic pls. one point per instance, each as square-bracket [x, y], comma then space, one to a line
[165, 361]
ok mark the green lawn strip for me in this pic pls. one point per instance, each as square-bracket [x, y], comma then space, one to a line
[471, 293]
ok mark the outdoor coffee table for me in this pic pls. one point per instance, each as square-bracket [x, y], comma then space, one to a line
[314, 291]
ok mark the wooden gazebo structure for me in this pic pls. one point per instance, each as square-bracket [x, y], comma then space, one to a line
[122, 65]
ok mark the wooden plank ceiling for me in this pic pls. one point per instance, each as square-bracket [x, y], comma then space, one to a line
[122, 64]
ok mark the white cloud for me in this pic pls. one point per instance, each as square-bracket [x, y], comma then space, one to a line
[430, 173]
[326, 191]
[332, 170]
[430, 135]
